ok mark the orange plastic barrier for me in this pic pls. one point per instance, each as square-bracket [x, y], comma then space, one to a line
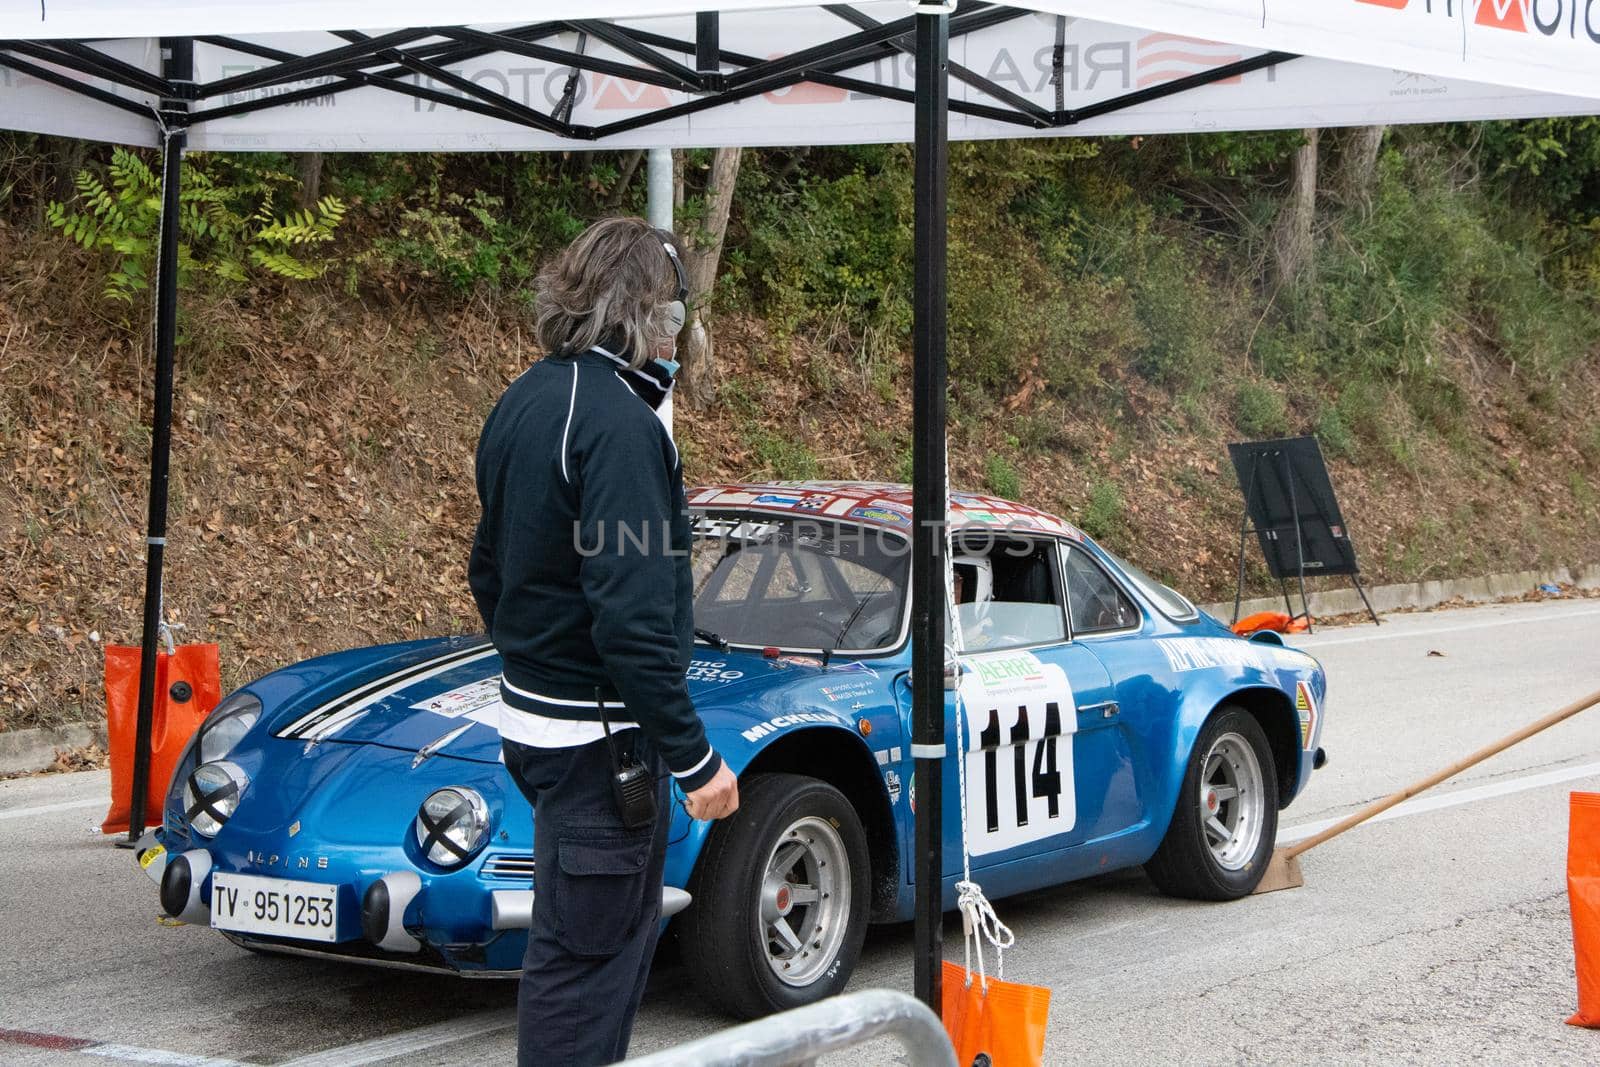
[1271, 620]
[188, 686]
[1006, 1024]
[1583, 895]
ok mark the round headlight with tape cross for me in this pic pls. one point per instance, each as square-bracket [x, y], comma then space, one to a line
[451, 825]
[212, 795]
[226, 725]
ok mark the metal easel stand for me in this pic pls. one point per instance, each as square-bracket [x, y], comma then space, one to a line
[1299, 547]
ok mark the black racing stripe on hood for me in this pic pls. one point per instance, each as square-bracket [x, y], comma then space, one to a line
[314, 718]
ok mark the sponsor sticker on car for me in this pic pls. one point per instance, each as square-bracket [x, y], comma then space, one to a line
[1020, 718]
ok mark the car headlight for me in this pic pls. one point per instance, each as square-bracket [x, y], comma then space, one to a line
[227, 724]
[451, 825]
[212, 795]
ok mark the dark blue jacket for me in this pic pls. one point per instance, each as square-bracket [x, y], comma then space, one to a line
[580, 566]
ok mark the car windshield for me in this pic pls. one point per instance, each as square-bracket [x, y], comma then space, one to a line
[798, 583]
[1171, 602]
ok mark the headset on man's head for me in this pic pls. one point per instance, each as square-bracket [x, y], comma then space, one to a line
[677, 309]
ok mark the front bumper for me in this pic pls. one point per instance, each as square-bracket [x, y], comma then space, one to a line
[397, 918]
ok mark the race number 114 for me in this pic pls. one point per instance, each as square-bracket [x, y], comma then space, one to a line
[1019, 781]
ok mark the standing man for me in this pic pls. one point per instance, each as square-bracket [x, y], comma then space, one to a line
[580, 569]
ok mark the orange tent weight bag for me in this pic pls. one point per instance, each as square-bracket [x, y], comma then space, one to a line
[1006, 1024]
[188, 686]
[1583, 895]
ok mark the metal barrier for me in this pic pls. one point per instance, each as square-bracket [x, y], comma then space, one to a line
[797, 1037]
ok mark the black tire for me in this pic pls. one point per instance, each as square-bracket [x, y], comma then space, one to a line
[1186, 865]
[723, 937]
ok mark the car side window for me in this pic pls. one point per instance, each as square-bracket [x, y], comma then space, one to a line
[1007, 593]
[1094, 602]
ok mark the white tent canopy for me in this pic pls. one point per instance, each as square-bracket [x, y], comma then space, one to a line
[1040, 68]
[293, 75]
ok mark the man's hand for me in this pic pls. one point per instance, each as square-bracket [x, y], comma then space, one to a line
[717, 799]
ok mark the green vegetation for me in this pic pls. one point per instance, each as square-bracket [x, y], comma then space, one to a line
[1102, 518]
[231, 218]
[1003, 479]
[1109, 300]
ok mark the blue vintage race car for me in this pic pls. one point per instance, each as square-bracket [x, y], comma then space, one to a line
[354, 805]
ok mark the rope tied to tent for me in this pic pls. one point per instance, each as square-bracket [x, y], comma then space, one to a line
[979, 923]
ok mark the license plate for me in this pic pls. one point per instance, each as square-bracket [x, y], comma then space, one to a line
[250, 904]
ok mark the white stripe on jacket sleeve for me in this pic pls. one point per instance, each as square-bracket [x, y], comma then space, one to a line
[692, 771]
[572, 402]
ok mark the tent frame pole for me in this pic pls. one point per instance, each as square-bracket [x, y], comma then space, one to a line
[178, 61]
[928, 496]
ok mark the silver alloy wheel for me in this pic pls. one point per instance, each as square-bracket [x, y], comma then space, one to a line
[1232, 801]
[805, 901]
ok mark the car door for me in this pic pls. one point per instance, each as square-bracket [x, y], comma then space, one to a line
[1106, 622]
[1032, 704]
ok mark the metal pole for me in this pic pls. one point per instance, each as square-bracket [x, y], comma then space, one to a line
[1299, 541]
[658, 178]
[928, 496]
[178, 64]
[708, 42]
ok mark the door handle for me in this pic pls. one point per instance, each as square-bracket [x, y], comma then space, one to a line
[1108, 709]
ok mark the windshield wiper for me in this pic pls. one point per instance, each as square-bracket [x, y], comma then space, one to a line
[715, 640]
[838, 638]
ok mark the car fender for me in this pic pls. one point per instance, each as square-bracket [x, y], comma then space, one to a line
[852, 765]
[1266, 696]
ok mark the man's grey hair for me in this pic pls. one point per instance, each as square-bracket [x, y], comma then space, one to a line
[615, 282]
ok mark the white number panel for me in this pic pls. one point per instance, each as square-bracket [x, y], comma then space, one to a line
[1020, 718]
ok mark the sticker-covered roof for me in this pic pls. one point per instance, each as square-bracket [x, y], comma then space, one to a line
[882, 504]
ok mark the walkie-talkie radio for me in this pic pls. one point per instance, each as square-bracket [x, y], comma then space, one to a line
[632, 784]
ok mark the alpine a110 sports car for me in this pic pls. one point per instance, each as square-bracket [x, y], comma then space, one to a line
[355, 805]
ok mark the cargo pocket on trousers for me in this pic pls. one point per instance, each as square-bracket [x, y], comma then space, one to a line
[600, 888]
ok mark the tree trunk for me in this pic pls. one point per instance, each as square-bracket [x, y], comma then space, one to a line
[702, 253]
[309, 165]
[66, 157]
[1291, 238]
[630, 164]
[1357, 165]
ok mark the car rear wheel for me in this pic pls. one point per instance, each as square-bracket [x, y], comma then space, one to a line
[1223, 829]
[781, 893]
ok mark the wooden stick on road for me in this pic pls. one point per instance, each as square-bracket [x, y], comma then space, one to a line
[1283, 870]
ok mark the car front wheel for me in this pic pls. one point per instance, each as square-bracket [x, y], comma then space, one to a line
[781, 894]
[1226, 820]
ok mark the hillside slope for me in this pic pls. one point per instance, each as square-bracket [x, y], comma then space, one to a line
[322, 493]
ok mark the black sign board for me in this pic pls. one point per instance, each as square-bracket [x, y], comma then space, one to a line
[1290, 504]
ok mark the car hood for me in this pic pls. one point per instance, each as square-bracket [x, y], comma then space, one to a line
[442, 700]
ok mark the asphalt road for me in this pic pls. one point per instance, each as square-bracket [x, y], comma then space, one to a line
[1438, 935]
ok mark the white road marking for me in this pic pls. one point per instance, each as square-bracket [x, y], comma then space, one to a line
[135, 1054]
[1399, 635]
[1421, 805]
[45, 809]
[409, 1042]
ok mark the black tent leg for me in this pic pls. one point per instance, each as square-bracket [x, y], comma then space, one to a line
[928, 498]
[180, 66]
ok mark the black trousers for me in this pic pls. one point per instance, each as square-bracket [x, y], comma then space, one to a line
[596, 904]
